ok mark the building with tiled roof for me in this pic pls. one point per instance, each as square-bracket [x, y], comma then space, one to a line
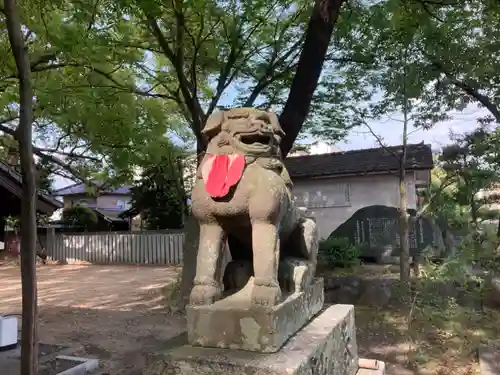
[335, 185]
[108, 202]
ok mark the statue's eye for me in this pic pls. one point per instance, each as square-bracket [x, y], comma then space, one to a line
[263, 118]
[236, 117]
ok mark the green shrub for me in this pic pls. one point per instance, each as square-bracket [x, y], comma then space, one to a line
[80, 216]
[339, 252]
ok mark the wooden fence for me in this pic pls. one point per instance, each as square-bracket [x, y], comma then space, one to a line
[148, 247]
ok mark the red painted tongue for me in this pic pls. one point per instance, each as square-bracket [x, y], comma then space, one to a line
[225, 172]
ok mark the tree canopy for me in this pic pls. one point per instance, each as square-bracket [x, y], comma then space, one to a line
[472, 164]
[197, 56]
[112, 77]
[159, 194]
[81, 122]
[448, 51]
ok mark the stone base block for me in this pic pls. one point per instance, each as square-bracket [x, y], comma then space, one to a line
[232, 323]
[326, 346]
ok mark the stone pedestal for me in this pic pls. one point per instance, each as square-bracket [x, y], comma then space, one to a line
[231, 323]
[326, 346]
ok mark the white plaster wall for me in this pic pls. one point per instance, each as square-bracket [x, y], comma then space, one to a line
[363, 191]
[111, 201]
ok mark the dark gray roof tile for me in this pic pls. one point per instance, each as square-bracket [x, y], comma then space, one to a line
[359, 162]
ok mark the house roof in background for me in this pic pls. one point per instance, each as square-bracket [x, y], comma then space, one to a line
[359, 162]
[109, 215]
[17, 180]
[80, 188]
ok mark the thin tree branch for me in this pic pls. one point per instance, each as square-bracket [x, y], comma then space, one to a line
[93, 17]
[147, 93]
[70, 154]
[197, 42]
[9, 119]
[35, 65]
[380, 141]
[191, 100]
[39, 152]
[468, 89]
[426, 7]
[269, 76]
[225, 76]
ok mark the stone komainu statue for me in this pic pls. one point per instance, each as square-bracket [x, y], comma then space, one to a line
[242, 195]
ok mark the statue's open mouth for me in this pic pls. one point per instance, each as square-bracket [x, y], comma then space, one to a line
[254, 139]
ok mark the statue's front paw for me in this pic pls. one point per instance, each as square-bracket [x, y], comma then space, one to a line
[204, 295]
[265, 295]
[302, 277]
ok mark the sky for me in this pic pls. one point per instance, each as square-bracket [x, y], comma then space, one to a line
[390, 131]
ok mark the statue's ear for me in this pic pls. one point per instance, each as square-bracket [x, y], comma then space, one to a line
[213, 124]
[273, 120]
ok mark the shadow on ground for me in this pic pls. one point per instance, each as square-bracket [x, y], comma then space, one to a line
[416, 338]
[124, 341]
[99, 287]
[435, 330]
[118, 314]
[114, 313]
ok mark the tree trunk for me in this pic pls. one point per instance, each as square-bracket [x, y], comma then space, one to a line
[29, 349]
[450, 244]
[404, 222]
[404, 230]
[318, 34]
[473, 212]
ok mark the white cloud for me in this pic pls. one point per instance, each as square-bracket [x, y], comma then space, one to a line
[391, 131]
[322, 148]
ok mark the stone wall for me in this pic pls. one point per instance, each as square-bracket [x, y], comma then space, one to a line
[380, 291]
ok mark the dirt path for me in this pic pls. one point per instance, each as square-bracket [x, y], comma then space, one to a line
[114, 313]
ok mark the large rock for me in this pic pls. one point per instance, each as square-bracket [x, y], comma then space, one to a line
[234, 323]
[376, 229]
[326, 346]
